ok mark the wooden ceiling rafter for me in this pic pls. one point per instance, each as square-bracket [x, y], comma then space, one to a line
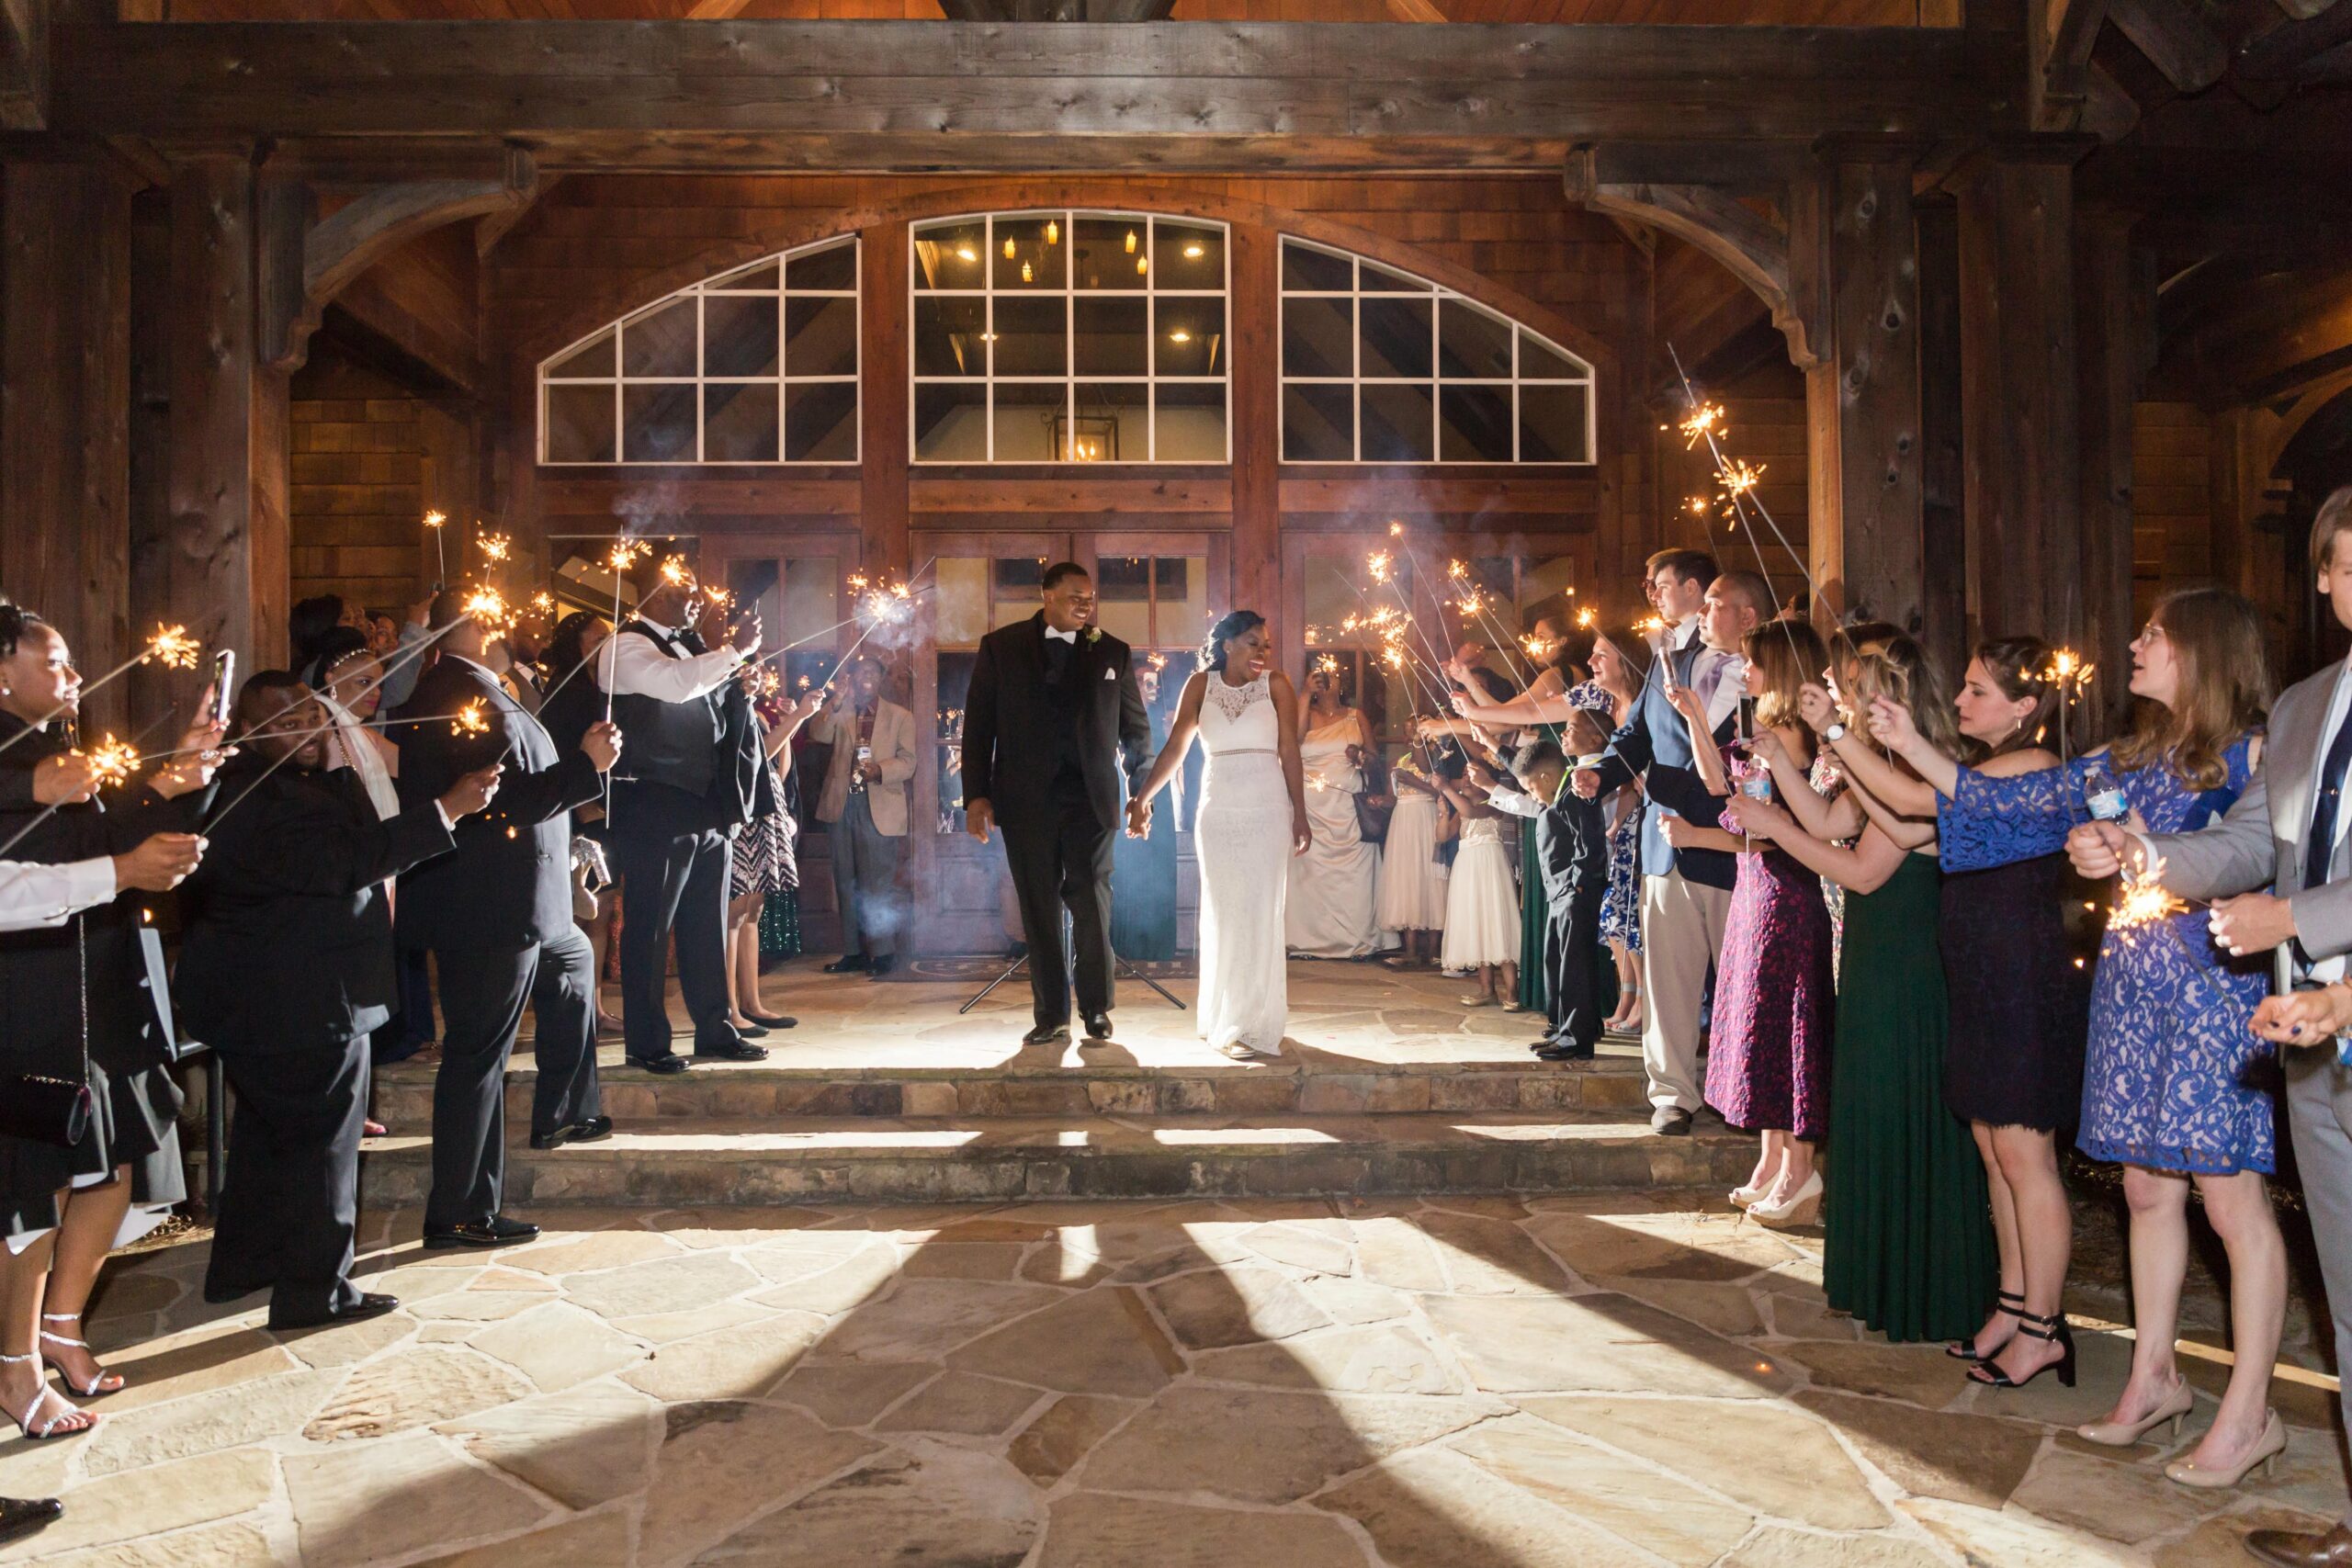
[24, 64]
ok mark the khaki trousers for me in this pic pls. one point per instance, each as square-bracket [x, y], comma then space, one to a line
[1682, 930]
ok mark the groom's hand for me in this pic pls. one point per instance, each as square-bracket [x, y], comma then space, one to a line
[978, 817]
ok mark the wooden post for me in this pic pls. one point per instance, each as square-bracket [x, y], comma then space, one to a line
[151, 690]
[885, 428]
[64, 383]
[1256, 416]
[2112, 323]
[2019, 398]
[226, 569]
[1854, 259]
[1943, 541]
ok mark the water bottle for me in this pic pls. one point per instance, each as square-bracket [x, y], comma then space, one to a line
[2102, 796]
[1756, 785]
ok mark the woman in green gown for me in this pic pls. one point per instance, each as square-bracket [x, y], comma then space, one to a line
[1910, 1247]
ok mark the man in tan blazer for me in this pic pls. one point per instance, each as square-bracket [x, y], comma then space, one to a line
[863, 806]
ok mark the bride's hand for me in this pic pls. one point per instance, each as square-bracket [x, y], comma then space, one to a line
[1138, 819]
[1302, 835]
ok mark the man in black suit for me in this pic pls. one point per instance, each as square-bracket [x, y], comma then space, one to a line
[496, 915]
[690, 784]
[1052, 719]
[287, 969]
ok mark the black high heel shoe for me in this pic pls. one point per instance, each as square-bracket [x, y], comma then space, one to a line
[2047, 1330]
[2012, 1305]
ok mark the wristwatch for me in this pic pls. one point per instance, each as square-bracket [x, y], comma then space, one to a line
[1837, 731]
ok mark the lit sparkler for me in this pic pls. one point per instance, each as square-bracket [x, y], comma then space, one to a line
[1378, 567]
[1739, 478]
[2071, 676]
[433, 521]
[1705, 423]
[1396, 530]
[623, 554]
[487, 606]
[1651, 627]
[112, 761]
[1327, 665]
[469, 720]
[494, 547]
[674, 573]
[1537, 647]
[2146, 901]
[1586, 618]
[543, 601]
[172, 646]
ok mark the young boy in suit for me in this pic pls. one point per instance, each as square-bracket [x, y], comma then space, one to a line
[1572, 852]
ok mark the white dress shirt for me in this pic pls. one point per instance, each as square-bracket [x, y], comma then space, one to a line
[629, 664]
[33, 898]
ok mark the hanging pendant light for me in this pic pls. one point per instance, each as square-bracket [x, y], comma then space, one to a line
[1131, 242]
[1025, 276]
[1053, 233]
[1008, 247]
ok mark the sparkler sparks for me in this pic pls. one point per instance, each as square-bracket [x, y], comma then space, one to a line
[1458, 570]
[2067, 671]
[494, 547]
[674, 573]
[2145, 902]
[487, 606]
[112, 761]
[1537, 647]
[1396, 530]
[173, 647]
[1327, 665]
[624, 553]
[1651, 625]
[1739, 478]
[543, 601]
[436, 519]
[1705, 420]
[1377, 566]
[1586, 618]
[469, 720]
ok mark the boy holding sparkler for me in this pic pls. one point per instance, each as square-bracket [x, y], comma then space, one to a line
[1572, 852]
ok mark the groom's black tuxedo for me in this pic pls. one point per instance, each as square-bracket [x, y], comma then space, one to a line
[1048, 729]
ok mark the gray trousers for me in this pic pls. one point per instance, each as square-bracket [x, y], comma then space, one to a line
[2319, 1105]
[865, 881]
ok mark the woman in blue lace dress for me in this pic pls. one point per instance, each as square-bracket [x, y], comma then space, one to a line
[2172, 1087]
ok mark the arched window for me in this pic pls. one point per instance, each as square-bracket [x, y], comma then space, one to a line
[1381, 366]
[758, 365]
[1069, 337]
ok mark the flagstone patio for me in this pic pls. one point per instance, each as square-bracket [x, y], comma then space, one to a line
[1587, 1380]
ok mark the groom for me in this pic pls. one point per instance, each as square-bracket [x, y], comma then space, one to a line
[1053, 717]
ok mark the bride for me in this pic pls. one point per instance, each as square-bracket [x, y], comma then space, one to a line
[1253, 792]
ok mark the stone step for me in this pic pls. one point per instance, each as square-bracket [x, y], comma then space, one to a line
[1316, 1085]
[773, 1159]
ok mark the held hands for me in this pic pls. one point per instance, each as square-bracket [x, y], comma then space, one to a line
[1138, 818]
[159, 863]
[2305, 1018]
[1818, 711]
[979, 816]
[1586, 782]
[2252, 922]
[603, 744]
[66, 778]
[473, 792]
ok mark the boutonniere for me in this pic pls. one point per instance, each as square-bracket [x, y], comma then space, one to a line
[1093, 636]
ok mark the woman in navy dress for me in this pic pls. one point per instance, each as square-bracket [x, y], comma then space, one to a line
[2172, 1089]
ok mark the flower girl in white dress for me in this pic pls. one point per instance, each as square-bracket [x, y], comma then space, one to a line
[1253, 796]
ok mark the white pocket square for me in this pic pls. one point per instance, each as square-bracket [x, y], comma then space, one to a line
[1110, 675]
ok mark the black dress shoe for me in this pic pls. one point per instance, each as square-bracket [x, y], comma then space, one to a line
[734, 1048]
[771, 1019]
[21, 1517]
[493, 1232]
[1098, 1026]
[847, 964]
[588, 1132]
[1561, 1051]
[1047, 1034]
[370, 1304]
[660, 1066]
[879, 967]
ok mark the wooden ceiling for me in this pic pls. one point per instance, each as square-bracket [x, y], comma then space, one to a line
[1811, 13]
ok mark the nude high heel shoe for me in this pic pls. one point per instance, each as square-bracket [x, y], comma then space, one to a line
[2125, 1434]
[2265, 1452]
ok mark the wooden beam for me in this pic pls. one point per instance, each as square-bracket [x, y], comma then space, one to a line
[1417, 11]
[2115, 302]
[1248, 94]
[716, 10]
[24, 64]
[2061, 34]
[2176, 40]
[1751, 245]
[2303, 10]
[2285, 52]
[494, 227]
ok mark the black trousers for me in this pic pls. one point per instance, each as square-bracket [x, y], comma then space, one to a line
[290, 1196]
[1064, 862]
[483, 995]
[672, 882]
[1572, 954]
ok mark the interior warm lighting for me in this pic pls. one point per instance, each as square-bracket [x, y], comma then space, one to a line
[1008, 247]
[966, 253]
[1131, 242]
[1195, 251]
[1143, 265]
[1025, 273]
[1053, 233]
[1179, 335]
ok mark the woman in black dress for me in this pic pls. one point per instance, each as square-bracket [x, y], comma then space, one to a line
[74, 1005]
[767, 857]
[2019, 1006]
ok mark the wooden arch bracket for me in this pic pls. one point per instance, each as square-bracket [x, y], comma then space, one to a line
[307, 260]
[1753, 245]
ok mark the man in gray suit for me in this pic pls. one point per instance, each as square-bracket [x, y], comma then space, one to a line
[2287, 834]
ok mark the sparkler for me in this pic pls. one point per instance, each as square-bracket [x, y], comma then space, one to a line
[1327, 665]
[170, 647]
[543, 601]
[1739, 478]
[1586, 618]
[469, 720]
[2144, 902]
[1378, 567]
[494, 547]
[434, 521]
[126, 751]
[2071, 676]
[1705, 423]
[487, 606]
[112, 761]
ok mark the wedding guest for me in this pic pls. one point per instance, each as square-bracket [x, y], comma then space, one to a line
[1686, 895]
[75, 1007]
[863, 807]
[2014, 1071]
[286, 970]
[1572, 850]
[1143, 871]
[572, 703]
[496, 914]
[1331, 909]
[41, 898]
[2167, 1089]
[1481, 929]
[1411, 900]
[1769, 1047]
[308, 624]
[674, 808]
[766, 859]
[1910, 1248]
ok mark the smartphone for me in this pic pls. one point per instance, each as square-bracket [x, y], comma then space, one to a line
[225, 675]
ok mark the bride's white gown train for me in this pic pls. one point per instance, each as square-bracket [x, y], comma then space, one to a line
[1242, 837]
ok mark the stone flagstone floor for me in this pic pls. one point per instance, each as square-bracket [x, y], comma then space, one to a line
[1586, 1381]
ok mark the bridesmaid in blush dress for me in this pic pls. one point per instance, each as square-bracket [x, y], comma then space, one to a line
[1768, 1058]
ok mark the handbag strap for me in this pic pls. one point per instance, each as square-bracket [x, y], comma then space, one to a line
[82, 967]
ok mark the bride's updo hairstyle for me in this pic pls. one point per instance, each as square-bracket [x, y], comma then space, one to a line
[1233, 623]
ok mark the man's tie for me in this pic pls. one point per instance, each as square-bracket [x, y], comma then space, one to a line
[2321, 851]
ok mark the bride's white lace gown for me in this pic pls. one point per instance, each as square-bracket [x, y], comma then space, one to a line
[1242, 837]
